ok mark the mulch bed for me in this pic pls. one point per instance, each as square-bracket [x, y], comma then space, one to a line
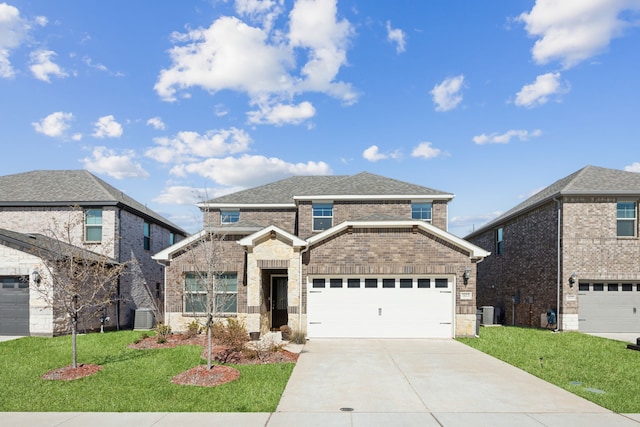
[70, 373]
[198, 376]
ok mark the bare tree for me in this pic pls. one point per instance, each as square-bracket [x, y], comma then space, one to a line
[210, 290]
[74, 282]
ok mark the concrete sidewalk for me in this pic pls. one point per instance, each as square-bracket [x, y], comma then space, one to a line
[385, 383]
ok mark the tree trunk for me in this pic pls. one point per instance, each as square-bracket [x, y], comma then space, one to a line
[74, 346]
[209, 321]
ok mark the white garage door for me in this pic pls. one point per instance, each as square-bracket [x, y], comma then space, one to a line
[372, 307]
[609, 307]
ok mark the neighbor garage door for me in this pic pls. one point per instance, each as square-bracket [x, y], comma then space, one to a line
[609, 307]
[14, 305]
[373, 307]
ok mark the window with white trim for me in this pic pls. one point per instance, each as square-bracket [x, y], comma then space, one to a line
[626, 219]
[322, 216]
[421, 211]
[225, 293]
[147, 236]
[229, 217]
[499, 242]
[93, 225]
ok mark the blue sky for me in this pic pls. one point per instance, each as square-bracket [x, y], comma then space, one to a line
[176, 102]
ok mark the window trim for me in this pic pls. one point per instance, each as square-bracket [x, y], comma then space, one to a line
[419, 209]
[633, 221]
[88, 226]
[323, 207]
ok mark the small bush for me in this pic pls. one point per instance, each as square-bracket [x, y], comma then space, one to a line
[285, 330]
[193, 329]
[163, 331]
[144, 335]
[298, 337]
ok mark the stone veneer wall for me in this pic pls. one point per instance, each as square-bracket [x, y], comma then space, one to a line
[398, 252]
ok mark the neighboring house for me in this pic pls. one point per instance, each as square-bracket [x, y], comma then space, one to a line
[573, 248]
[101, 219]
[335, 256]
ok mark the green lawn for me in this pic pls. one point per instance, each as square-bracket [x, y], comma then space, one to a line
[600, 370]
[130, 381]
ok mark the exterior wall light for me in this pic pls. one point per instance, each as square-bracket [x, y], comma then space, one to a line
[35, 276]
[466, 275]
[572, 279]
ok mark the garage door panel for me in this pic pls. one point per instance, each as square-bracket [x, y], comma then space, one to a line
[380, 312]
[14, 306]
[605, 310]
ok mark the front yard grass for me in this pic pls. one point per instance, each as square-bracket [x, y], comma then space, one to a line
[130, 381]
[600, 370]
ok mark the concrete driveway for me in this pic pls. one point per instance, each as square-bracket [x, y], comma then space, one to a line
[426, 382]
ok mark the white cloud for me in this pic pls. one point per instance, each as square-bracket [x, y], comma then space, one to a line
[425, 150]
[43, 67]
[572, 31]
[396, 36]
[505, 138]
[249, 171]
[223, 56]
[261, 11]
[118, 166]
[373, 154]
[54, 125]
[471, 221]
[107, 127]
[13, 31]
[191, 146]
[183, 195]
[447, 95]
[281, 114]
[633, 167]
[538, 92]
[157, 123]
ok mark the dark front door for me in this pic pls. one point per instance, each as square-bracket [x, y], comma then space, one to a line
[279, 315]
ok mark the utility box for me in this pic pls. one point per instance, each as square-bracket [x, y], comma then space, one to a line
[488, 314]
[143, 319]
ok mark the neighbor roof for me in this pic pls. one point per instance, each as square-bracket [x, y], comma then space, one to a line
[590, 180]
[363, 185]
[69, 188]
[47, 247]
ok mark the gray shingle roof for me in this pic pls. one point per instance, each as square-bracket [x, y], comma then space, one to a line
[46, 247]
[590, 180]
[301, 187]
[69, 188]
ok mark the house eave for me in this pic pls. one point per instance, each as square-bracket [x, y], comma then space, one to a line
[376, 197]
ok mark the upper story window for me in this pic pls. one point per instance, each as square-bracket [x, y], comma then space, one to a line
[147, 236]
[172, 238]
[626, 219]
[421, 211]
[322, 216]
[93, 225]
[499, 243]
[229, 217]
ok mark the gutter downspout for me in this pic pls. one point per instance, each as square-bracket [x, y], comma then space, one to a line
[559, 273]
[300, 289]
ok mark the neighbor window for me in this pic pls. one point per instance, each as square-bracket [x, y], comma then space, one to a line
[93, 225]
[225, 293]
[626, 223]
[229, 217]
[172, 238]
[147, 236]
[499, 243]
[421, 211]
[322, 216]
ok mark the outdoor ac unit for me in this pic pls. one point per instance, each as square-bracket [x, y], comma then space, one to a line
[143, 319]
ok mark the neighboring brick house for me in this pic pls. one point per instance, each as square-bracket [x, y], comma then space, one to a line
[573, 248]
[335, 256]
[102, 219]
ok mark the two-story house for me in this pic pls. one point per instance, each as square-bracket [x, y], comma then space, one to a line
[335, 256]
[572, 248]
[76, 207]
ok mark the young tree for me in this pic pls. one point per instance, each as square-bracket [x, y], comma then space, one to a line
[74, 282]
[210, 290]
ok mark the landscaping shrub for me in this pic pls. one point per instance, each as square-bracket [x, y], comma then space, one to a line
[193, 329]
[162, 331]
[285, 330]
[298, 337]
